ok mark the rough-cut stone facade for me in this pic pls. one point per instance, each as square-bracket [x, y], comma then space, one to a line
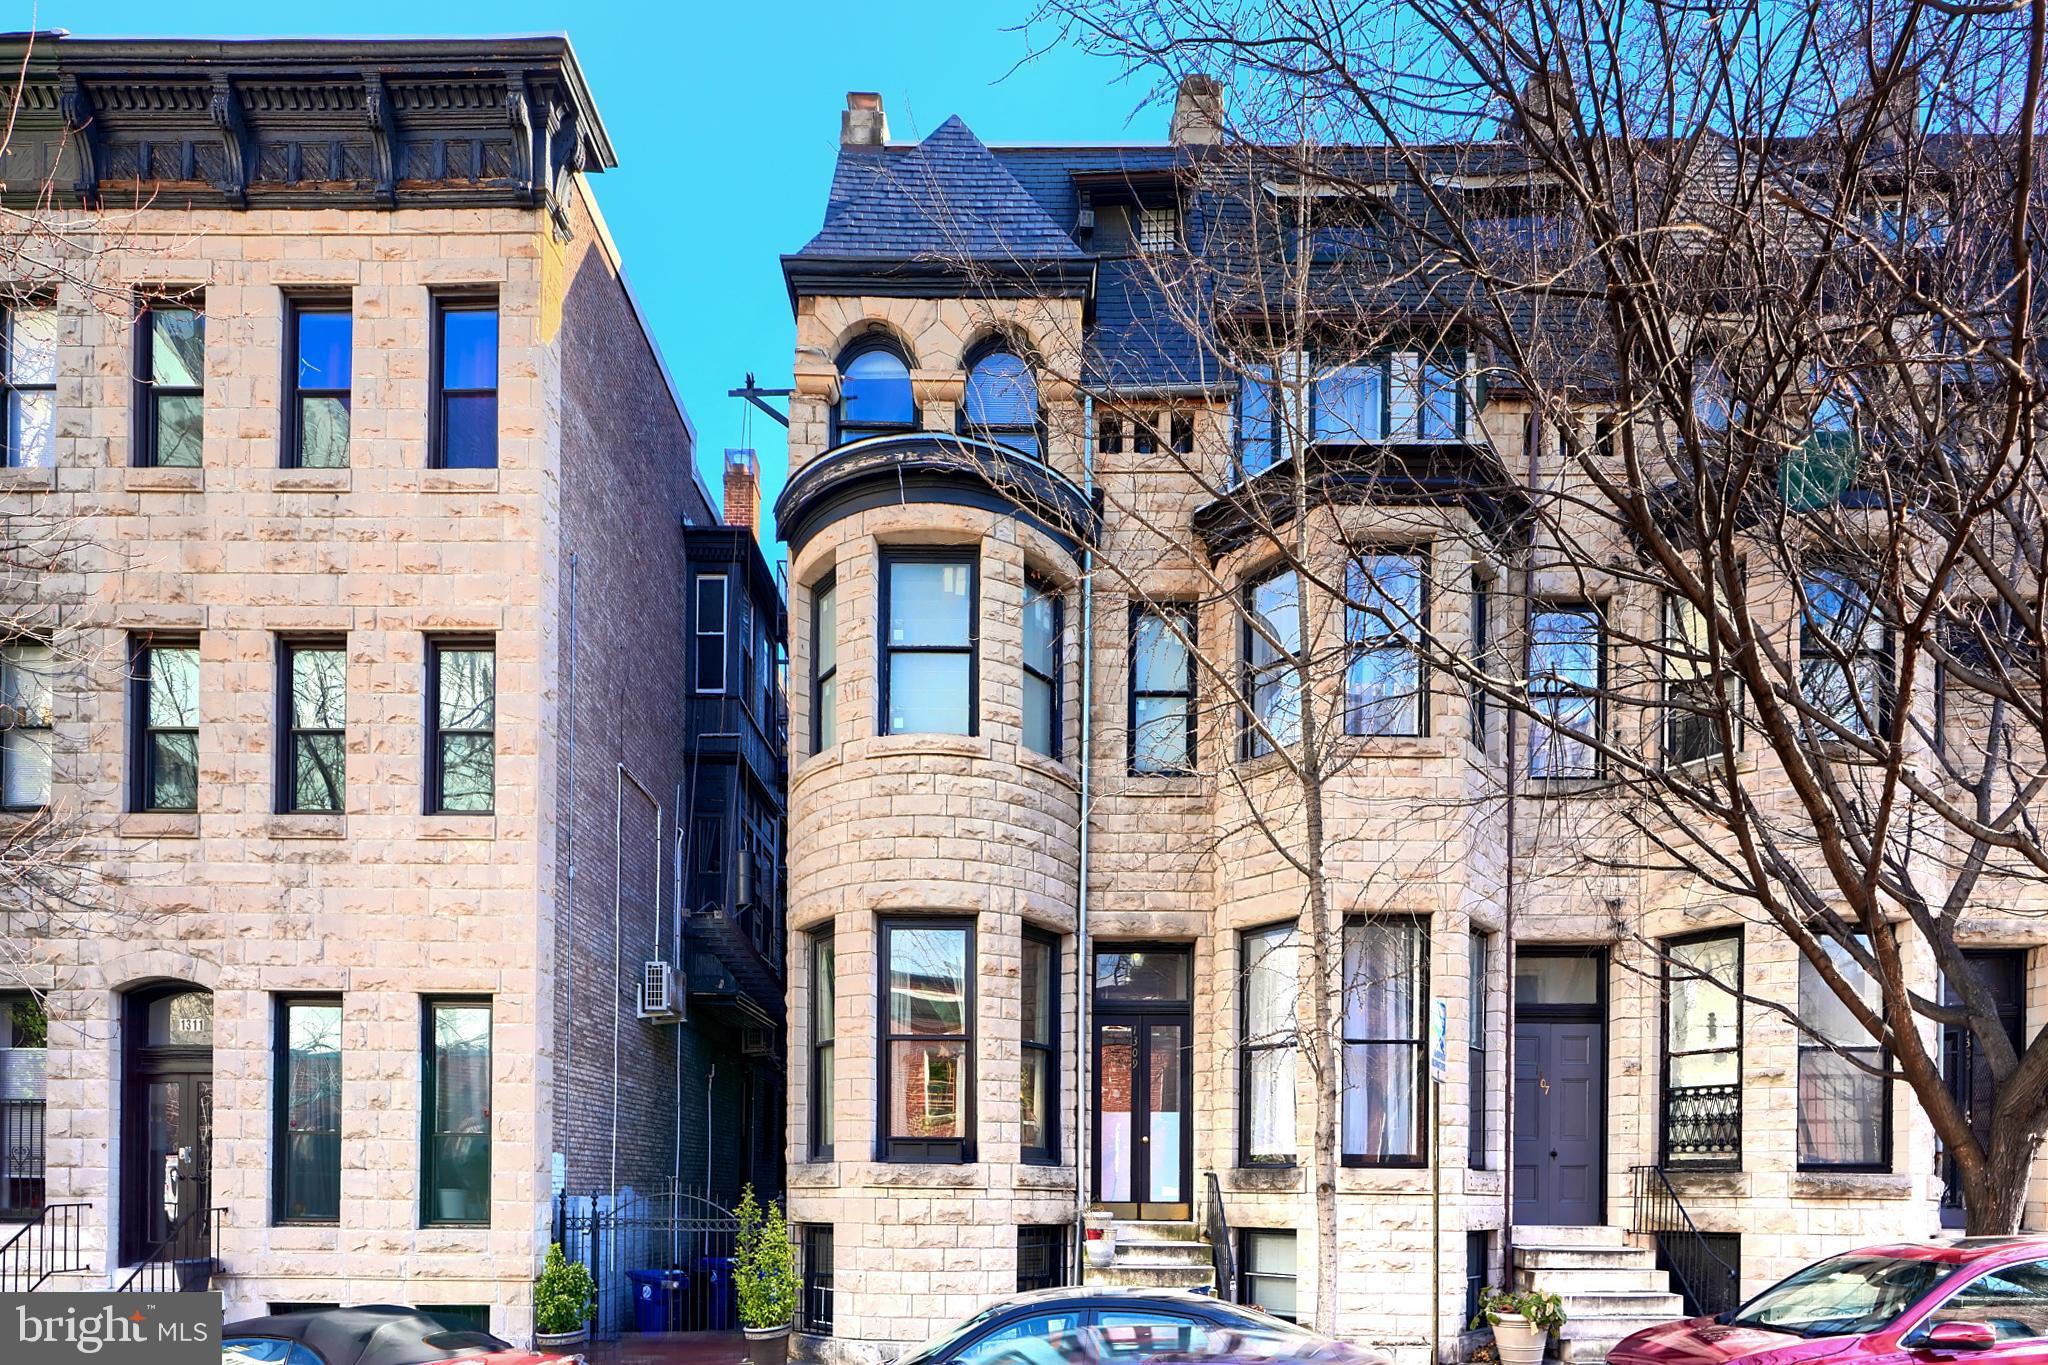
[382, 904]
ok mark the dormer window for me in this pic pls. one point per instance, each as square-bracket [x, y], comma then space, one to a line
[1400, 396]
[1158, 229]
[874, 392]
[1892, 220]
[1002, 401]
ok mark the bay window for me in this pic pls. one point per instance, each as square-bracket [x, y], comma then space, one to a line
[1844, 1094]
[824, 1030]
[929, 646]
[1271, 985]
[825, 664]
[1039, 1091]
[1272, 648]
[927, 1081]
[1567, 649]
[1386, 994]
[1385, 615]
[1703, 1050]
[1409, 395]
[1043, 610]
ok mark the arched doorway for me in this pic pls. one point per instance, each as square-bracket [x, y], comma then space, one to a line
[166, 1115]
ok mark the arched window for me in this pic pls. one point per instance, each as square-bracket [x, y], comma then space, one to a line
[874, 392]
[1002, 401]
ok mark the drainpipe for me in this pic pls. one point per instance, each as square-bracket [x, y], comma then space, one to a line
[566, 913]
[1083, 1052]
[1534, 439]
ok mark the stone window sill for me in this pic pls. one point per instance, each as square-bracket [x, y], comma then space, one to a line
[1051, 767]
[149, 479]
[36, 480]
[481, 827]
[306, 825]
[458, 480]
[160, 824]
[925, 1174]
[1851, 1185]
[311, 480]
[1179, 785]
[1262, 1179]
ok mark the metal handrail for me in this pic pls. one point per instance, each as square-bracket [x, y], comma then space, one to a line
[166, 1269]
[1706, 1281]
[27, 1259]
[1222, 1247]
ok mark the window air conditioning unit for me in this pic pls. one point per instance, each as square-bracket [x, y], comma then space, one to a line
[658, 992]
[757, 1042]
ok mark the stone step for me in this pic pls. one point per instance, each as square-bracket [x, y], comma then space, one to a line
[1149, 1231]
[1544, 1257]
[1161, 1251]
[1578, 1279]
[1589, 1234]
[1151, 1275]
[1606, 1305]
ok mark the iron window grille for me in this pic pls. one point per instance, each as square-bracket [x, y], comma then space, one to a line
[170, 368]
[164, 706]
[462, 683]
[814, 1308]
[1162, 704]
[1702, 1114]
[28, 380]
[312, 709]
[1041, 1257]
[24, 1086]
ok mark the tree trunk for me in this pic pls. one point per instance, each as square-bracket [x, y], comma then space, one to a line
[1328, 977]
[1995, 1189]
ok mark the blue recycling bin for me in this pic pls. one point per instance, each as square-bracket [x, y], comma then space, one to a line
[655, 1298]
[720, 1295]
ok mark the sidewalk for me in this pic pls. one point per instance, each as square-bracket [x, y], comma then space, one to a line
[669, 1348]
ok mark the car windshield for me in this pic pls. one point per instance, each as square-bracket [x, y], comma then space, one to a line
[1843, 1296]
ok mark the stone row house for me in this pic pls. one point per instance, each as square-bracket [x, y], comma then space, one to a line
[407, 704]
[1039, 956]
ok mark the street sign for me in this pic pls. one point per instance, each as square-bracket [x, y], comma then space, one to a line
[1439, 1041]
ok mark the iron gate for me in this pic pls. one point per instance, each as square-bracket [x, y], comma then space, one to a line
[662, 1262]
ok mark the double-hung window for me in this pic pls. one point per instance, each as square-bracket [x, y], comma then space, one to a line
[171, 372]
[1385, 992]
[1475, 1052]
[462, 741]
[1039, 1093]
[927, 1041]
[1567, 649]
[824, 1029]
[1269, 1271]
[1844, 655]
[465, 433]
[317, 404]
[1162, 719]
[1269, 1043]
[1482, 660]
[455, 1111]
[929, 642]
[25, 724]
[28, 375]
[711, 613]
[1258, 434]
[1844, 1085]
[164, 704]
[1272, 653]
[1043, 611]
[1386, 616]
[875, 393]
[1351, 403]
[1692, 693]
[306, 1151]
[825, 664]
[314, 710]
[1703, 1050]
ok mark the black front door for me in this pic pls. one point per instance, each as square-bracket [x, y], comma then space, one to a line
[1144, 1028]
[167, 1123]
[1560, 1090]
[2003, 973]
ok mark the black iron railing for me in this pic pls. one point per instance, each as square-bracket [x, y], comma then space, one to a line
[1702, 1123]
[662, 1262]
[21, 1157]
[1222, 1246]
[184, 1261]
[48, 1243]
[1707, 1283]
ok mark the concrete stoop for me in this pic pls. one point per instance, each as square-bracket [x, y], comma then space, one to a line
[1152, 1255]
[1610, 1286]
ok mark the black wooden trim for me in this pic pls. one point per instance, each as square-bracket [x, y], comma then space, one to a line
[428, 1081]
[888, 1147]
[1189, 619]
[1048, 1153]
[280, 1087]
[1735, 932]
[1424, 1099]
[884, 651]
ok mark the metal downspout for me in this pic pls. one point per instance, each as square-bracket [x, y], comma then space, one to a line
[1083, 1052]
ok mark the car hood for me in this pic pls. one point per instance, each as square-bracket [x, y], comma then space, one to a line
[1703, 1341]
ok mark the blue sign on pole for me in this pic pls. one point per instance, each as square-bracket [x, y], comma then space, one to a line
[1439, 1041]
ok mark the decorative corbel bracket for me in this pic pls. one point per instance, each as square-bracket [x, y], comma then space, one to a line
[566, 156]
[377, 114]
[81, 123]
[519, 115]
[236, 143]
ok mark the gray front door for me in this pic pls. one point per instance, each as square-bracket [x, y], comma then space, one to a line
[1560, 1095]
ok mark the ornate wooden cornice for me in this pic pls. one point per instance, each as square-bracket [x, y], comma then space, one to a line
[386, 123]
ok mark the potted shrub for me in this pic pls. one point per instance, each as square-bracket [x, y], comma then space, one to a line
[1521, 1322]
[764, 1277]
[563, 1297]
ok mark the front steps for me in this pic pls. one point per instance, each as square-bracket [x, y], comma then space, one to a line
[1157, 1256]
[1610, 1286]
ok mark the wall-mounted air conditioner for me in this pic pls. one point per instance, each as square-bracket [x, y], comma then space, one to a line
[658, 992]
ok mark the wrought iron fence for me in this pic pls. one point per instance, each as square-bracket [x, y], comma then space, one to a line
[662, 1262]
[183, 1262]
[1702, 1124]
[49, 1243]
[1708, 1284]
[21, 1157]
[1222, 1245]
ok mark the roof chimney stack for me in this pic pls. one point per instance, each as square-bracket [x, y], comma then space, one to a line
[1197, 112]
[742, 490]
[863, 124]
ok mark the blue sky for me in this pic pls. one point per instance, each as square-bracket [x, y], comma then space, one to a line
[726, 119]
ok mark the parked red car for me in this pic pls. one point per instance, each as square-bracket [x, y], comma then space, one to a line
[1980, 1299]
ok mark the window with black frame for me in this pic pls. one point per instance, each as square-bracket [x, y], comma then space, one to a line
[455, 1112]
[1041, 1257]
[1044, 612]
[314, 710]
[1482, 662]
[1567, 658]
[1844, 1114]
[1272, 648]
[708, 624]
[929, 643]
[28, 378]
[1386, 617]
[1475, 1049]
[170, 431]
[1691, 695]
[462, 722]
[1405, 395]
[825, 664]
[814, 1310]
[1703, 1050]
[875, 395]
[1000, 403]
[1258, 434]
[1844, 655]
[321, 377]
[306, 1157]
[465, 434]
[1162, 719]
[824, 1032]
[1386, 994]
[1038, 1115]
[165, 711]
[27, 723]
[24, 1089]
[1269, 1045]
[927, 1041]
[1268, 1271]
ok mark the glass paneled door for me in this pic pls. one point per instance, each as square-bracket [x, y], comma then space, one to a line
[167, 1099]
[1143, 1137]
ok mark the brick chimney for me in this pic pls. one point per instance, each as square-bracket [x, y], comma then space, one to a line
[863, 124]
[742, 490]
[1197, 112]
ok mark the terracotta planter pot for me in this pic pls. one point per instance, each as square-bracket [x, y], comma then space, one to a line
[768, 1345]
[1519, 1341]
[561, 1341]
